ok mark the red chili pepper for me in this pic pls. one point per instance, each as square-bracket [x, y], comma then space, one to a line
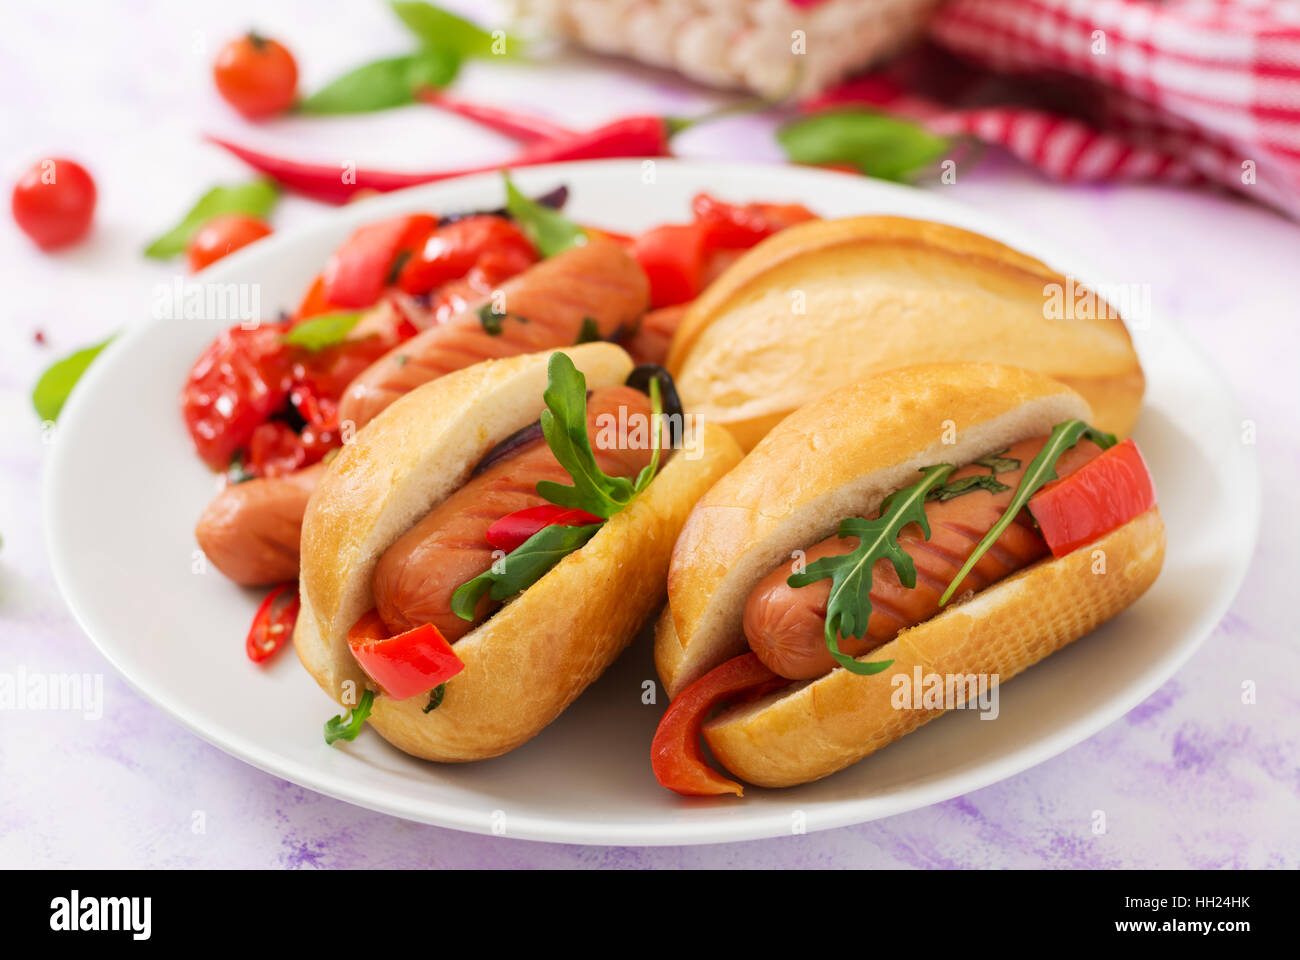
[1102, 495]
[672, 256]
[406, 665]
[675, 753]
[513, 529]
[273, 622]
[876, 90]
[358, 271]
[513, 123]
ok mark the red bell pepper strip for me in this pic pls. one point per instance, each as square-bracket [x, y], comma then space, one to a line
[672, 257]
[513, 529]
[358, 271]
[676, 755]
[513, 123]
[405, 665]
[1102, 495]
[273, 622]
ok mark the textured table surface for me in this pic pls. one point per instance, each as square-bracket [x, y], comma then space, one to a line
[1192, 777]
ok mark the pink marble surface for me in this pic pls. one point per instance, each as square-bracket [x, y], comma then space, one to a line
[1191, 777]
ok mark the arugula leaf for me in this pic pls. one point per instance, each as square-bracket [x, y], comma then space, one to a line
[255, 199]
[52, 389]
[1041, 470]
[435, 698]
[966, 485]
[522, 567]
[336, 728]
[998, 463]
[875, 144]
[325, 330]
[435, 27]
[380, 84]
[550, 231]
[849, 607]
[589, 333]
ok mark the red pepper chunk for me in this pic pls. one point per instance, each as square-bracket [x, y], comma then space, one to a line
[453, 250]
[733, 226]
[405, 665]
[676, 754]
[273, 623]
[672, 257]
[1101, 496]
[358, 271]
[514, 528]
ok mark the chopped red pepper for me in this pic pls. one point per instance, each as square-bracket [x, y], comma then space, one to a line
[451, 251]
[513, 529]
[358, 271]
[733, 226]
[273, 623]
[405, 665]
[676, 754]
[672, 257]
[1102, 495]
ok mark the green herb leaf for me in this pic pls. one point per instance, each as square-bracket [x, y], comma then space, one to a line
[435, 697]
[589, 333]
[877, 145]
[381, 84]
[650, 469]
[325, 330]
[966, 485]
[336, 728]
[849, 607]
[236, 472]
[255, 199]
[550, 231]
[522, 567]
[52, 389]
[564, 424]
[437, 28]
[1041, 470]
[998, 463]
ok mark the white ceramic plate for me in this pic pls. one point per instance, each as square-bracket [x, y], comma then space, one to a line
[124, 489]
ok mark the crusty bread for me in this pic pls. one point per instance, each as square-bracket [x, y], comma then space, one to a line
[813, 729]
[530, 660]
[825, 303]
[835, 458]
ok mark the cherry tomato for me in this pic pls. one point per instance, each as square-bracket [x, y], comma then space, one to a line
[53, 202]
[275, 449]
[222, 235]
[451, 251]
[256, 76]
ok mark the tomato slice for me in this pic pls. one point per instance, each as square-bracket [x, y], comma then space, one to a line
[513, 529]
[676, 754]
[451, 251]
[405, 665]
[672, 257]
[1102, 495]
[273, 623]
[358, 271]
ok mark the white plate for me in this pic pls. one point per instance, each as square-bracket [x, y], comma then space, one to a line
[124, 489]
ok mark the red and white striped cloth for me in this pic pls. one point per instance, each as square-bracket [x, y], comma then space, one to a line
[1093, 90]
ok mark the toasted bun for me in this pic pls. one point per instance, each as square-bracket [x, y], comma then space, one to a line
[525, 664]
[877, 293]
[813, 729]
[837, 457]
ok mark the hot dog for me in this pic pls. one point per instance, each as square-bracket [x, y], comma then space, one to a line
[891, 524]
[397, 529]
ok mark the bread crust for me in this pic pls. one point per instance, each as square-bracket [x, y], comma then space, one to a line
[525, 664]
[877, 293]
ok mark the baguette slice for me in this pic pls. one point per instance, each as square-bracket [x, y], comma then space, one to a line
[826, 303]
[530, 660]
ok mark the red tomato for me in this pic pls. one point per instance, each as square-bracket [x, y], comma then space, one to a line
[256, 76]
[314, 302]
[740, 226]
[406, 665]
[1102, 495]
[494, 244]
[514, 528]
[275, 449]
[54, 202]
[221, 235]
[241, 379]
[672, 256]
[273, 622]
[675, 753]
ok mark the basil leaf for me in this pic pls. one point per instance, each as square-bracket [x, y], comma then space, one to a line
[966, 485]
[255, 199]
[336, 728]
[392, 82]
[550, 231]
[1041, 470]
[435, 27]
[875, 144]
[52, 389]
[325, 330]
[849, 606]
[522, 567]
[564, 424]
